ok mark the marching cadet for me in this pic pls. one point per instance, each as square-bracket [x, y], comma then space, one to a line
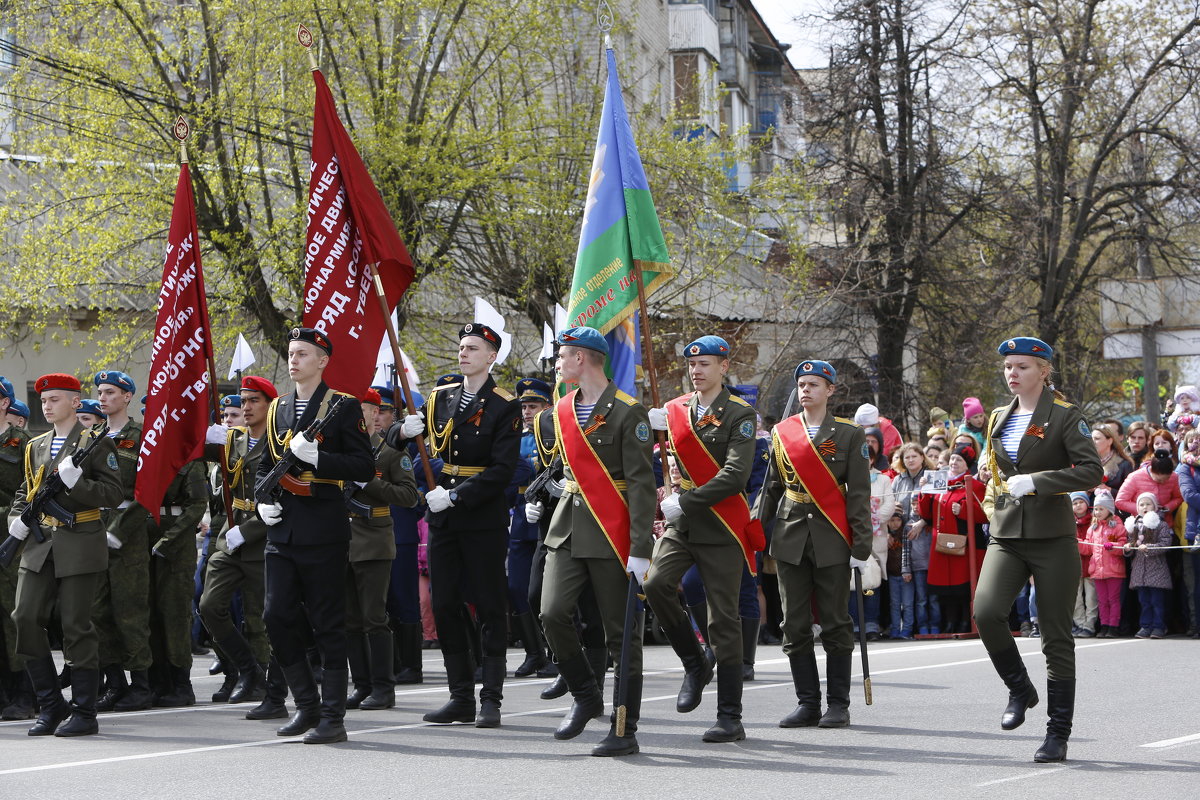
[231, 411]
[712, 435]
[172, 581]
[600, 531]
[474, 426]
[15, 682]
[818, 492]
[372, 550]
[308, 537]
[1039, 449]
[236, 564]
[535, 397]
[387, 407]
[66, 568]
[90, 414]
[122, 613]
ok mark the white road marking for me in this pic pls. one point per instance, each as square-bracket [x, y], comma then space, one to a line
[1172, 742]
[1035, 773]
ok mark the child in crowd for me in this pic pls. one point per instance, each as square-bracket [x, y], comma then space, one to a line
[900, 577]
[1106, 568]
[1149, 573]
[1084, 620]
[974, 418]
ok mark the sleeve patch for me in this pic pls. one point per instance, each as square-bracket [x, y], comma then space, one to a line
[1083, 429]
[746, 429]
[866, 452]
[362, 425]
[112, 461]
[642, 431]
[406, 462]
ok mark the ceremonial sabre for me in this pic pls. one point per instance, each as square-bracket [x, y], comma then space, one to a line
[862, 633]
[631, 600]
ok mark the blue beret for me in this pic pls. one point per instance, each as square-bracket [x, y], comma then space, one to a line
[19, 408]
[417, 398]
[116, 378]
[452, 377]
[589, 338]
[707, 346]
[231, 401]
[6, 389]
[1026, 346]
[90, 406]
[822, 369]
[534, 390]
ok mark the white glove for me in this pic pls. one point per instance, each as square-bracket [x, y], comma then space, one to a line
[234, 538]
[438, 500]
[1020, 485]
[69, 473]
[361, 484]
[533, 511]
[271, 513]
[154, 551]
[670, 508]
[1130, 524]
[639, 567]
[1150, 520]
[113, 542]
[413, 426]
[216, 434]
[18, 529]
[304, 448]
[658, 419]
[1195, 548]
[858, 563]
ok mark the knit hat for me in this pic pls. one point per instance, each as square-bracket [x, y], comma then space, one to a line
[937, 415]
[1153, 498]
[1105, 500]
[968, 454]
[1188, 392]
[971, 407]
[1080, 496]
[867, 416]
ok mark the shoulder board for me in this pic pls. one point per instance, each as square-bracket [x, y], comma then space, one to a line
[504, 393]
[1063, 403]
[845, 421]
[47, 435]
[626, 399]
[733, 398]
[344, 394]
[443, 387]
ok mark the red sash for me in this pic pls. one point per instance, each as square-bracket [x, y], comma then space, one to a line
[604, 500]
[813, 473]
[701, 467]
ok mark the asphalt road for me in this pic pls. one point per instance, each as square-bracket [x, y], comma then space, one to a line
[933, 729]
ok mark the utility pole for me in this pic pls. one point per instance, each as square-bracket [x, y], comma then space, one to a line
[1145, 271]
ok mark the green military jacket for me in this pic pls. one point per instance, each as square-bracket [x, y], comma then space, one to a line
[241, 465]
[183, 507]
[622, 444]
[77, 549]
[730, 441]
[129, 524]
[12, 464]
[371, 538]
[798, 523]
[1058, 451]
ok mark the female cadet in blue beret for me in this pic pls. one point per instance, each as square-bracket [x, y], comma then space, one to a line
[1039, 449]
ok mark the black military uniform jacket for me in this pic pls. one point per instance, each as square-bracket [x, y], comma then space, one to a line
[345, 456]
[480, 446]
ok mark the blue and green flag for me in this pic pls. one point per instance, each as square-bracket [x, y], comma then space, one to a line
[620, 230]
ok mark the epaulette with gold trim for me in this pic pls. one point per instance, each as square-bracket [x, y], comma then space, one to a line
[1063, 403]
[443, 387]
[504, 393]
[733, 398]
[845, 421]
[344, 394]
[626, 399]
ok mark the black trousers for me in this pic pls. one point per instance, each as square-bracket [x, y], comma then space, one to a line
[468, 566]
[306, 589]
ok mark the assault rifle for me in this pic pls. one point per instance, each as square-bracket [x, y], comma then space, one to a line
[545, 486]
[45, 501]
[270, 486]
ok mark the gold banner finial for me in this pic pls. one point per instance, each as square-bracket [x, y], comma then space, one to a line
[182, 131]
[305, 38]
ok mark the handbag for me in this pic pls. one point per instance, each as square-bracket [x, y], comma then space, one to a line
[952, 544]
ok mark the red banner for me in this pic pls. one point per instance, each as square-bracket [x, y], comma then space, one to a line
[349, 229]
[179, 401]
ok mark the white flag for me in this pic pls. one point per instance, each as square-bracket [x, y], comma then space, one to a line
[243, 358]
[547, 343]
[485, 313]
[560, 318]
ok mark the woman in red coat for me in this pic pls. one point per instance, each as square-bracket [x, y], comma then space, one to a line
[950, 575]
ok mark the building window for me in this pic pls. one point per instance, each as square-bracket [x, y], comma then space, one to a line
[686, 69]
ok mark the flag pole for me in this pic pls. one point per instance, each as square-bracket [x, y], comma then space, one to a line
[182, 130]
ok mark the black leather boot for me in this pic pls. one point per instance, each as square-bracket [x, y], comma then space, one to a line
[360, 669]
[85, 687]
[406, 637]
[729, 705]
[491, 693]
[700, 615]
[749, 647]
[1060, 705]
[1022, 694]
[535, 649]
[383, 683]
[181, 694]
[308, 701]
[460, 675]
[597, 658]
[587, 703]
[251, 681]
[115, 687]
[140, 696]
[331, 727]
[627, 745]
[697, 672]
[807, 681]
[53, 708]
[837, 690]
[556, 689]
[272, 705]
[223, 694]
[20, 697]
